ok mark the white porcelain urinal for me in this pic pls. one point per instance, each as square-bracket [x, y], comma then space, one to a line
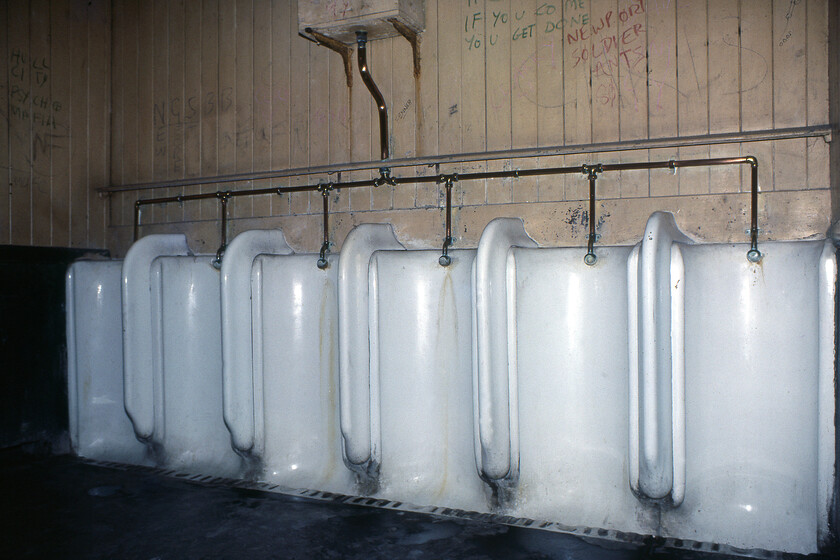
[562, 359]
[573, 392]
[758, 399]
[172, 354]
[420, 340]
[672, 389]
[296, 328]
[732, 388]
[99, 426]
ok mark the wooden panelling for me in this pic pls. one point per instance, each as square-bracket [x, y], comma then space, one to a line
[516, 74]
[125, 91]
[209, 101]
[5, 176]
[55, 132]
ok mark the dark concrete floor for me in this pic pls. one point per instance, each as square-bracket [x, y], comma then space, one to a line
[59, 507]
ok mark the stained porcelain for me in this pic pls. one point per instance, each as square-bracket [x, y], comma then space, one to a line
[359, 392]
[572, 389]
[757, 399]
[420, 340]
[295, 310]
[672, 389]
[190, 433]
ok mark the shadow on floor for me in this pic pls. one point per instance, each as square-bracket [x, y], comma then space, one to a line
[60, 507]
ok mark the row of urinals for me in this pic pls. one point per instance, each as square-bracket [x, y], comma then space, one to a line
[672, 389]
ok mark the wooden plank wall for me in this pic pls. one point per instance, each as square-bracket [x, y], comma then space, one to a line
[206, 87]
[55, 128]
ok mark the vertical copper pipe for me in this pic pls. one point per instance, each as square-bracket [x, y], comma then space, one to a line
[136, 220]
[753, 255]
[325, 246]
[590, 258]
[223, 200]
[445, 259]
[361, 40]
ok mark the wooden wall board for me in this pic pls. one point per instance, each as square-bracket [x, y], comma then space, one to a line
[202, 87]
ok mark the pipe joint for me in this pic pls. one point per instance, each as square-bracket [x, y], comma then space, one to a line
[592, 171]
[385, 178]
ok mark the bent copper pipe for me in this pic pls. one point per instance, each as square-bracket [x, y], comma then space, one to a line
[361, 40]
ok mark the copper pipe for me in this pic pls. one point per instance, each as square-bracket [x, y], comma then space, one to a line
[445, 259]
[361, 40]
[137, 206]
[325, 246]
[591, 173]
[754, 255]
[223, 200]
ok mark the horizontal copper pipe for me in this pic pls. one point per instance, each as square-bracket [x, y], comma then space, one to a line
[385, 178]
[512, 174]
